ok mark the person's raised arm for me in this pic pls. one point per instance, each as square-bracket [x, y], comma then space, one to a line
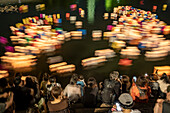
[10, 100]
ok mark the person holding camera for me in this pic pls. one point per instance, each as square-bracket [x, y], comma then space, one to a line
[50, 84]
[163, 105]
[110, 90]
[164, 82]
[125, 84]
[140, 91]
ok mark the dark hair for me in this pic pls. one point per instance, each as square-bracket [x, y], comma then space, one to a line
[125, 79]
[165, 78]
[91, 81]
[45, 76]
[81, 77]
[141, 81]
[75, 76]
[113, 75]
[72, 81]
[18, 74]
[3, 84]
[29, 82]
[17, 80]
[52, 79]
[56, 91]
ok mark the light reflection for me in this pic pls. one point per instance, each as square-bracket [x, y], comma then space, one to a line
[91, 10]
[108, 5]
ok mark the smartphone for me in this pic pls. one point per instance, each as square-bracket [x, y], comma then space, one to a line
[120, 77]
[118, 108]
[134, 78]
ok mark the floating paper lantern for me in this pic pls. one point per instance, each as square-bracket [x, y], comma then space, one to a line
[84, 31]
[106, 15]
[67, 16]
[3, 40]
[93, 61]
[164, 7]
[108, 53]
[9, 48]
[154, 8]
[3, 74]
[73, 7]
[125, 62]
[109, 27]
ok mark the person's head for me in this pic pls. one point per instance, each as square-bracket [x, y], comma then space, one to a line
[81, 77]
[45, 76]
[56, 91]
[17, 74]
[165, 78]
[3, 84]
[125, 79]
[114, 75]
[17, 80]
[75, 77]
[73, 81]
[91, 81]
[29, 82]
[52, 79]
[141, 81]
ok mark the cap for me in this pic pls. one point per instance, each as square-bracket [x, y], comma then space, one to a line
[126, 100]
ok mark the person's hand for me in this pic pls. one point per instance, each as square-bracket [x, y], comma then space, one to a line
[133, 80]
[5, 95]
[100, 85]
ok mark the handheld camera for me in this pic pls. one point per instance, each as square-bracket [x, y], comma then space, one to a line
[134, 78]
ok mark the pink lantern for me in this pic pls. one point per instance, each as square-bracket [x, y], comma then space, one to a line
[109, 27]
[9, 48]
[73, 7]
[3, 40]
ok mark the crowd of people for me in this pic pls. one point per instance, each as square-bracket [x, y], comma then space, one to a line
[27, 94]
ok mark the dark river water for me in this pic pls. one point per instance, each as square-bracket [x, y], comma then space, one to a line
[75, 50]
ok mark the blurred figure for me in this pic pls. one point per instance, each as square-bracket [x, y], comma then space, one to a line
[73, 91]
[43, 85]
[163, 105]
[33, 85]
[125, 84]
[111, 89]
[59, 104]
[164, 82]
[22, 95]
[82, 83]
[140, 92]
[50, 84]
[90, 93]
[154, 87]
[6, 98]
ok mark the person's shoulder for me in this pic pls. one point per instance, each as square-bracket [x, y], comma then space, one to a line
[106, 80]
[159, 81]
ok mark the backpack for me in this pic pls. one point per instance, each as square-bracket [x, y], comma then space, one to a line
[107, 96]
[143, 93]
[108, 93]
